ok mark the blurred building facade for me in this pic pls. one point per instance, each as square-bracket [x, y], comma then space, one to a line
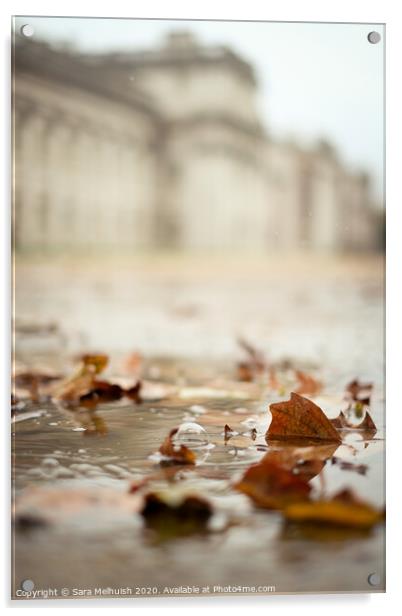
[164, 149]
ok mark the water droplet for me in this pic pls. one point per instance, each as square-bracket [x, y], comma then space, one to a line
[192, 435]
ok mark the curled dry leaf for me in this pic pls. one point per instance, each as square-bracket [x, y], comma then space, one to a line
[228, 432]
[177, 454]
[83, 381]
[95, 363]
[367, 425]
[307, 384]
[102, 391]
[344, 509]
[271, 485]
[298, 419]
[134, 393]
[340, 421]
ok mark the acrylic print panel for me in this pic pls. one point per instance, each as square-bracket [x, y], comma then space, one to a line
[198, 378]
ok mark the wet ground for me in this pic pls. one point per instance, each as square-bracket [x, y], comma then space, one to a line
[327, 318]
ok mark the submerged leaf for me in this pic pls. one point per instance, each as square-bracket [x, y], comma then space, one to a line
[300, 418]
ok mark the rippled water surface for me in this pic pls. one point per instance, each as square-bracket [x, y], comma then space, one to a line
[330, 324]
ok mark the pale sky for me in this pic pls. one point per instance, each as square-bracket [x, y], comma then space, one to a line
[315, 80]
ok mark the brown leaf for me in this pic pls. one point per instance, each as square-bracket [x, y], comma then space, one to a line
[96, 363]
[83, 380]
[367, 425]
[228, 432]
[307, 384]
[344, 509]
[272, 486]
[177, 454]
[299, 418]
[359, 391]
[340, 421]
[134, 393]
[101, 392]
[172, 517]
[255, 364]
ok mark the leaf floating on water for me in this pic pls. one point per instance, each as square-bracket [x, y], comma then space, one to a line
[340, 421]
[95, 363]
[254, 365]
[134, 393]
[101, 392]
[359, 392]
[83, 381]
[307, 384]
[344, 509]
[367, 425]
[271, 485]
[299, 418]
[228, 432]
[177, 454]
[171, 515]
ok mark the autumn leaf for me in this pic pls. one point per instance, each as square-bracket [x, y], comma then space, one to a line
[171, 515]
[307, 384]
[359, 392]
[101, 392]
[344, 509]
[271, 485]
[228, 432]
[367, 425]
[299, 418]
[254, 365]
[82, 382]
[134, 393]
[340, 421]
[177, 454]
[35, 382]
[95, 363]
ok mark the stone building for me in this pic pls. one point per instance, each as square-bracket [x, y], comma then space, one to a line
[164, 149]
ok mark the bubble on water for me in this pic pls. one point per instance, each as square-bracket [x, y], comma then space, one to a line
[192, 435]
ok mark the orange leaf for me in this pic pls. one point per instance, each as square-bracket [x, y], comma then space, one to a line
[272, 486]
[300, 418]
[344, 509]
[178, 454]
[307, 384]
